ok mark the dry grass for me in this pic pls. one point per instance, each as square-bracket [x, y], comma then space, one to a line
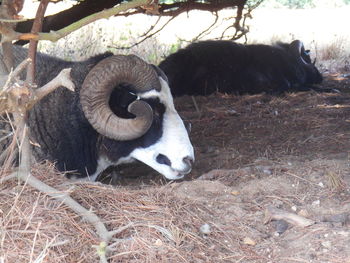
[161, 227]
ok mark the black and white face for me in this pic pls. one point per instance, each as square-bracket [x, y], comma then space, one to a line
[172, 154]
[165, 147]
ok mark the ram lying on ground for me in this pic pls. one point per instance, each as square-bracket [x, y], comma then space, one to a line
[122, 110]
[224, 66]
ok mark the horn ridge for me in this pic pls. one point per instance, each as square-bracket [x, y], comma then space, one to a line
[98, 86]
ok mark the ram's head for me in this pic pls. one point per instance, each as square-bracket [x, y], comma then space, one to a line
[129, 103]
[311, 73]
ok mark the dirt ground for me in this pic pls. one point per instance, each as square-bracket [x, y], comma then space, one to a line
[270, 184]
[290, 152]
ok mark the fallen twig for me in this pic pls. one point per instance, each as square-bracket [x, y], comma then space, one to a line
[273, 213]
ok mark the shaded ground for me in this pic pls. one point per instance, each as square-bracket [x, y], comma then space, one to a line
[253, 152]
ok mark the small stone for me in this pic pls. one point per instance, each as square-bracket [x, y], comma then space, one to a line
[267, 171]
[281, 226]
[326, 244]
[232, 112]
[316, 203]
[249, 241]
[158, 243]
[205, 229]
[294, 208]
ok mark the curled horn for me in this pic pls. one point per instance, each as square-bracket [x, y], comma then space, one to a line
[98, 86]
[295, 49]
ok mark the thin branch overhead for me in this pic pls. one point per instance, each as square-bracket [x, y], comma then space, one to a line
[53, 36]
[91, 8]
[237, 29]
[148, 34]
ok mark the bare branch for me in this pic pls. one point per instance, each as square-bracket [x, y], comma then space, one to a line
[10, 98]
[62, 79]
[179, 7]
[242, 30]
[56, 35]
[208, 29]
[10, 93]
[273, 213]
[12, 20]
[89, 216]
[148, 35]
[68, 16]
[8, 10]
[37, 26]
[239, 21]
[151, 28]
[13, 75]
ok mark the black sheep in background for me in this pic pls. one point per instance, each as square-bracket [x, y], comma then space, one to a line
[224, 66]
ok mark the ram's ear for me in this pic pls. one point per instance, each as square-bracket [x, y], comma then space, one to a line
[160, 73]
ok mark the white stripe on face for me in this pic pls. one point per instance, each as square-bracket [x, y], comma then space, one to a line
[174, 143]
